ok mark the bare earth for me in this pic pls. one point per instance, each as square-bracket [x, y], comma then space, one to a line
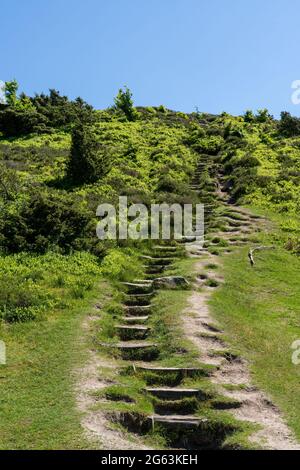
[256, 406]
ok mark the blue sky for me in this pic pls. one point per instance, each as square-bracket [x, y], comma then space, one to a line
[219, 55]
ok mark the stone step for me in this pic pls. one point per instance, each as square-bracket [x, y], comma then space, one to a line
[165, 393]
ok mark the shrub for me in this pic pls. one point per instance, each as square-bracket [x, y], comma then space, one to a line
[209, 145]
[121, 265]
[124, 103]
[89, 160]
[17, 122]
[46, 221]
[21, 300]
[289, 126]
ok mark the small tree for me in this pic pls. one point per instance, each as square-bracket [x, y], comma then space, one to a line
[89, 160]
[124, 102]
[263, 115]
[11, 89]
[249, 116]
[289, 126]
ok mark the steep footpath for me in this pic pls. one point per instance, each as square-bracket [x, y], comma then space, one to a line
[207, 402]
[231, 375]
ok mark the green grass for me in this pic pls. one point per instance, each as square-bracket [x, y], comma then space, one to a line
[259, 310]
[37, 385]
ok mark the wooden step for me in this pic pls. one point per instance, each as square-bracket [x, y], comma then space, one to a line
[158, 269]
[174, 421]
[132, 327]
[138, 299]
[138, 283]
[145, 351]
[165, 247]
[185, 371]
[134, 310]
[165, 393]
[132, 332]
[158, 261]
[137, 288]
[187, 239]
[132, 320]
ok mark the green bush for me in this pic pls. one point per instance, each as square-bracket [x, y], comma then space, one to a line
[121, 265]
[124, 103]
[15, 122]
[89, 160]
[46, 221]
[289, 126]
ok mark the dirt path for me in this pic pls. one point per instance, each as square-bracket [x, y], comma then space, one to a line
[98, 429]
[201, 328]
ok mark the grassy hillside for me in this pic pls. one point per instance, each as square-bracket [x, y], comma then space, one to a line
[51, 261]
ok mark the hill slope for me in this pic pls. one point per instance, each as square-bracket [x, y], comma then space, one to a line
[52, 262]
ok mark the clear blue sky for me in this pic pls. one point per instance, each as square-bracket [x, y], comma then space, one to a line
[215, 54]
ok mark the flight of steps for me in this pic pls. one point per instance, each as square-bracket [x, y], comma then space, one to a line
[138, 301]
[174, 403]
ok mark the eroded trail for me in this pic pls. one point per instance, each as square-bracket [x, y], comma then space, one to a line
[95, 377]
[231, 375]
[131, 391]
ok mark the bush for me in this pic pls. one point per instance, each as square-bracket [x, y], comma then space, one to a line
[89, 160]
[209, 145]
[46, 221]
[17, 122]
[289, 126]
[124, 103]
[21, 300]
[121, 265]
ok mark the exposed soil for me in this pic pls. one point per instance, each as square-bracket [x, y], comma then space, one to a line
[98, 428]
[255, 407]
